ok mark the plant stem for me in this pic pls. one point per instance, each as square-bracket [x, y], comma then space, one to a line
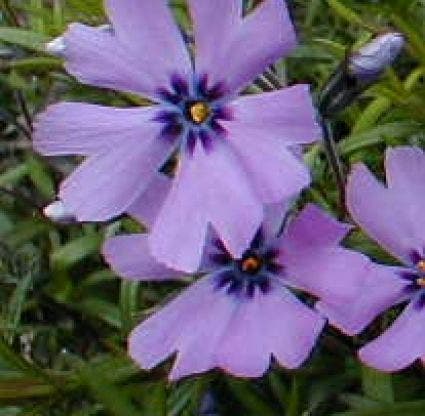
[25, 111]
[335, 163]
[10, 13]
[273, 79]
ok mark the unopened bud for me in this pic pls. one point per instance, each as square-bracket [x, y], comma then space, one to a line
[359, 71]
[370, 61]
[56, 47]
[57, 212]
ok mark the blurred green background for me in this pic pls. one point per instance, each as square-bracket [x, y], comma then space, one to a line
[65, 317]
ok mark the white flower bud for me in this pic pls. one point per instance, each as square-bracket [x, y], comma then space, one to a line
[56, 46]
[58, 212]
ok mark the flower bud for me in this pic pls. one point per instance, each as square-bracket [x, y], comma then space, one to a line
[370, 61]
[359, 71]
[57, 212]
[56, 47]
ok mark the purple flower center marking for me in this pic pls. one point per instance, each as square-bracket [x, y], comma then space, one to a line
[415, 275]
[192, 112]
[254, 270]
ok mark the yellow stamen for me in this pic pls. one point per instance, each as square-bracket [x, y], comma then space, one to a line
[421, 282]
[421, 265]
[199, 112]
[251, 265]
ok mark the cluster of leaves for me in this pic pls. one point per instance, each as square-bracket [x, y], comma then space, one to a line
[65, 317]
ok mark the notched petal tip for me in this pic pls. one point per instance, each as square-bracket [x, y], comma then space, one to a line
[56, 47]
[396, 158]
[358, 175]
[336, 230]
[135, 354]
[369, 360]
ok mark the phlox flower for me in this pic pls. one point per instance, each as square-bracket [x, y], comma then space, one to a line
[242, 310]
[226, 169]
[392, 215]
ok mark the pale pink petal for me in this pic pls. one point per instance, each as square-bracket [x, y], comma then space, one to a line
[95, 56]
[400, 345]
[106, 184]
[313, 259]
[246, 48]
[146, 207]
[273, 323]
[385, 215]
[286, 116]
[179, 231]
[129, 257]
[176, 324]
[86, 129]
[380, 288]
[150, 34]
[210, 188]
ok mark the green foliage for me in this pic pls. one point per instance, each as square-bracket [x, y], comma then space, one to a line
[65, 317]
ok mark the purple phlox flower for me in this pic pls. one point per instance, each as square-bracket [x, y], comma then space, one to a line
[242, 310]
[234, 154]
[393, 216]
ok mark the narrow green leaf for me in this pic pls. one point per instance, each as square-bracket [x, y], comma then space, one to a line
[88, 7]
[313, 9]
[14, 175]
[25, 38]
[26, 230]
[415, 38]
[414, 408]
[114, 399]
[279, 389]
[101, 309]
[152, 398]
[10, 359]
[11, 411]
[17, 300]
[377, 386]
[35, 65]
[41, 178]
[293, 408]
[371, 114]
[76, 250]
[128, 303]
[88, 411]
[377, 135]
[358, 402]
[414, 78]
[250, 398]
[24, 389]
[348, 14]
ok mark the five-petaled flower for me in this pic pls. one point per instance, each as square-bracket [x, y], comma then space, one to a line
[393, 216]
[235, 154]
[242, 310]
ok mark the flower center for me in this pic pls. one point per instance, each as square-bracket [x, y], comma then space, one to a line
[421, 282]
[251, 265]
[421, 265]
[199, 112]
